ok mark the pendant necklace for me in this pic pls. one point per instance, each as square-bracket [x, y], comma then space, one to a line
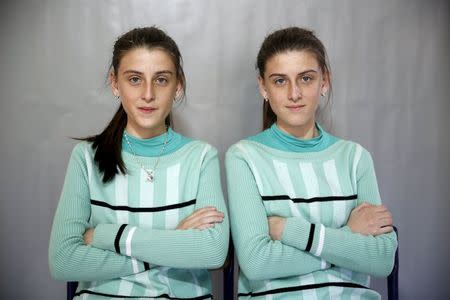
[150, 172]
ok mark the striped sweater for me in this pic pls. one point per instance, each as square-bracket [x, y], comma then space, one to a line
[314, 184]
[136, 251]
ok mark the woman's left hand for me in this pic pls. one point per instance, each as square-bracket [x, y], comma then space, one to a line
[276, 227]
[88, 236]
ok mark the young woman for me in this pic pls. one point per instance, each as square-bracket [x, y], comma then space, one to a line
[305, 211]
[141, 213]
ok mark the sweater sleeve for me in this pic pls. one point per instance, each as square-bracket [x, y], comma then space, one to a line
[192, 248]
[69, 258]
[372, 255]
[260, 257]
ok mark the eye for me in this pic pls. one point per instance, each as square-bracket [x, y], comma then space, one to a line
[134, 80]
[161, 81]
[279, 81]
[306, 78]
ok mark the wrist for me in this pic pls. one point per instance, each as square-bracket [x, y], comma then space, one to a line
[296, 232]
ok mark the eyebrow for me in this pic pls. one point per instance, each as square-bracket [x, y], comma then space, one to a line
[140, 73]
[301, 73]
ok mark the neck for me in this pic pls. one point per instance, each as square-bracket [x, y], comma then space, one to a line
[307, 131]
[146, 133]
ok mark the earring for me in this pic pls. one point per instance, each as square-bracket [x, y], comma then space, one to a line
[118, 98]
[266, 99]
[323, 94]
[177, 100]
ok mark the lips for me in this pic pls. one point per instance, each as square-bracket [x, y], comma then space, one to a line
[295, 107]
[146, 110]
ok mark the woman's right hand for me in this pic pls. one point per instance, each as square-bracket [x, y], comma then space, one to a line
[202, 218]
[369, 219]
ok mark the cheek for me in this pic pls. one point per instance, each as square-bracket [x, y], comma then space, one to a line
[312, 94]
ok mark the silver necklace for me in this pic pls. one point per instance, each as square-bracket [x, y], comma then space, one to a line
[150, 172]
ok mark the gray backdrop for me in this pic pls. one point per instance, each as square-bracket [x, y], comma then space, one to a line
[390, 63]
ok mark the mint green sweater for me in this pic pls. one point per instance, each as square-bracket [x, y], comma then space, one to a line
[314, 184]
[136, 250]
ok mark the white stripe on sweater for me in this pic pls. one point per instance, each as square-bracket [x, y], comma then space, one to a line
[128, 248]
[319, 249]
[146, 198]
[121, 194]
[309, 294]
[172, 195]
[121, 191]
[285, 180]
[312, 190]
[88, 158]
[253, 169]
[268, 287]
[335, 291]
[356, 158]
[125, 288]
[339, 207]
[195, 283]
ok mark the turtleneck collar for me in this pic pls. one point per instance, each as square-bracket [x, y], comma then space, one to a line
[274, 137]
[154, 145]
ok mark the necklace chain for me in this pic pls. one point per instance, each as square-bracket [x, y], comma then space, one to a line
[150, 172]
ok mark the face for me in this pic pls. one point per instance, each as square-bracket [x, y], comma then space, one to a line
[293, 83]
[147, 84]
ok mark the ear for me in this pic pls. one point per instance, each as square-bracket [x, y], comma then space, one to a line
[179, 92]
[262, 87]
[114, 84]
[325, 86]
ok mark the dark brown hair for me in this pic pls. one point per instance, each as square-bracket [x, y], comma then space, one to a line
[290, 39]
[108, 144]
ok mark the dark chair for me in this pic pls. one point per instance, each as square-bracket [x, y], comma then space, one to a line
[392, 280]
[228, 274]
[71, 288]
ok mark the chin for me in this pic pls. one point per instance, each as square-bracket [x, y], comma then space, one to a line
[298, 123]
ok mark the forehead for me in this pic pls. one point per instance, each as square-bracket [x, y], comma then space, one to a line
[144, 60]
[295, 61]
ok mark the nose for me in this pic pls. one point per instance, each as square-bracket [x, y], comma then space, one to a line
[148, 93]
[295, 92]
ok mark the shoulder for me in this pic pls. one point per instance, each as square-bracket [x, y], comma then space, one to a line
[200, 146]
[195, 149]
[241, 147]
[244, 150]
[350, 147]
[82, 149]
[358, 156]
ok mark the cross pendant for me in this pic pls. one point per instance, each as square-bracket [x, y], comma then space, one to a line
[150, 176]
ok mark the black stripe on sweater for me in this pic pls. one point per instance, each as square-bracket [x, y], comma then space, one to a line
[304, 287]
[163, 296]
[118, 236]
[143, 209]
[309, 200]
[146, 266]
[310, 237]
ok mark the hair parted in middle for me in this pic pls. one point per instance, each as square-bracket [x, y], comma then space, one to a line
[108, 144]
[285, 40]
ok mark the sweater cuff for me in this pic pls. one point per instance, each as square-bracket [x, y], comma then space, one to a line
[108, 236]
[111, 237]
[303, 235]
[296, 233]
[317, 239]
